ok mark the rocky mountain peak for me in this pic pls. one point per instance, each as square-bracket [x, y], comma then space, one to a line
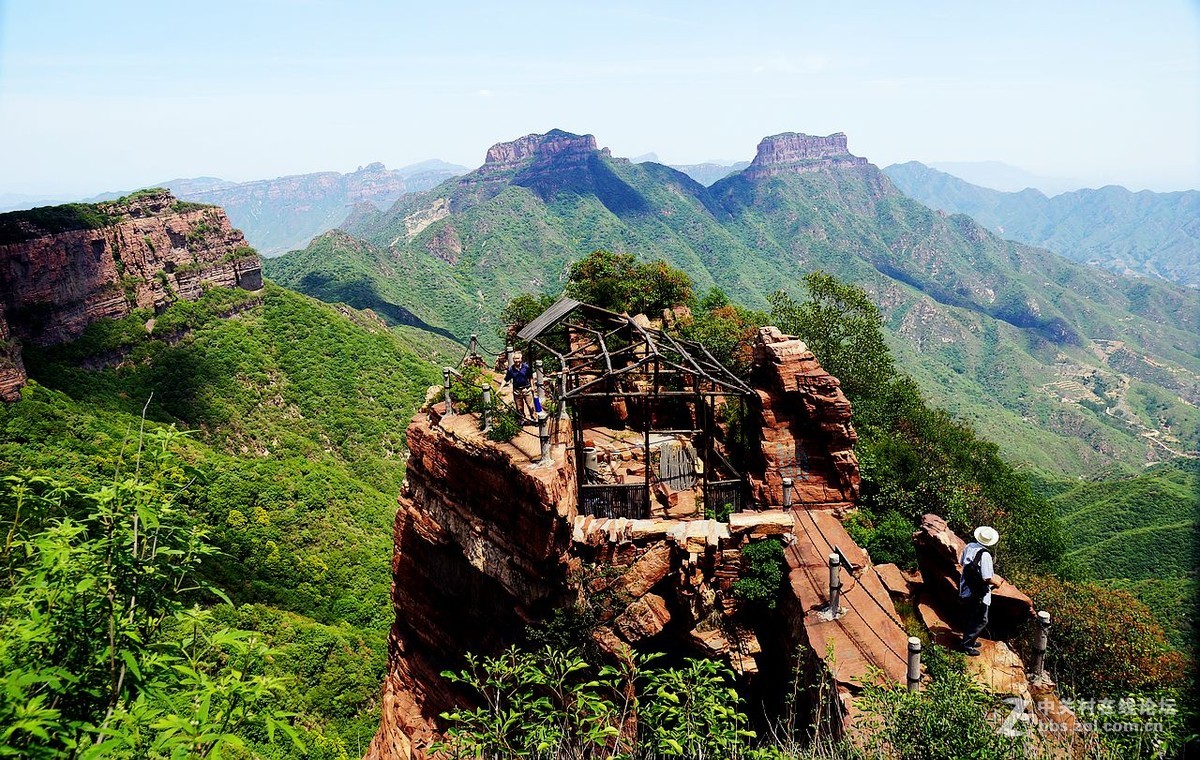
[554, 144]
[793, 152]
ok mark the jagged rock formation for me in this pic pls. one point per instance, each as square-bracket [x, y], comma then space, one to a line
[488, 539]
[63, 268]
[804, 423]
[793, 152]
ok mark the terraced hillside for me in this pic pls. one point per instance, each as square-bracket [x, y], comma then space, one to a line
[1141, 533]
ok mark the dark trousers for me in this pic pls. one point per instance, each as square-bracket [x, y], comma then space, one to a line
[975, 619]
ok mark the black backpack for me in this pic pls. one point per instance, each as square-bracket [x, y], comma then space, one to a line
[973, 576]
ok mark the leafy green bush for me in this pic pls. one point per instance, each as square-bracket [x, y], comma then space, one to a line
[619, 282]
[553, 704]
[99, 650]
[762, 573]
[946, 720]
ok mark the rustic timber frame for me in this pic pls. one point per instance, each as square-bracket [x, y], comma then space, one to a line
[604, 356]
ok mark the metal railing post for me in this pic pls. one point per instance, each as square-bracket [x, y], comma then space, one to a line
[508, 352]
[562, 393]
[835, 584]
[539, 379]
[787, 492]
[544, 435]
[914, 664]
[485, 415]
[1040, 643]
[446, 383]
[473, 347]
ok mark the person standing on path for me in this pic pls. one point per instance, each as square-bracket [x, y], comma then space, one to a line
[520, 375]
[975, 586]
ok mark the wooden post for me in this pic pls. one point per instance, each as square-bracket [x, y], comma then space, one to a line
[835, 584]
[914, 664]
[446, 383]
[1040, 643]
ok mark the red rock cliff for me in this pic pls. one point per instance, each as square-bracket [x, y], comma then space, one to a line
[63, 268]
[792, 152]
[805, 426]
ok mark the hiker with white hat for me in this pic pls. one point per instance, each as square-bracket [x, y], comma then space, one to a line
[975, 586]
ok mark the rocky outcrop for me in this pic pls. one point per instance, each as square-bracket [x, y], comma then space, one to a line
[793, 152]
[938, 551]
[554, 145]
[63, 268]
[806, 433]
[480, 542]
[12, 369]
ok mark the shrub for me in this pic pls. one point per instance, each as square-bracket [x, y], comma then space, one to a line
[762, 574]
[1104, 642]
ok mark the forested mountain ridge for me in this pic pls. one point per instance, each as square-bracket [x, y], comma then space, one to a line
[1070, 368]
[1144, 233]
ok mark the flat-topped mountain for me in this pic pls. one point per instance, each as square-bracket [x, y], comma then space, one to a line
[64, 267]
[795, 152]
[1143, 233]
[1057, 361]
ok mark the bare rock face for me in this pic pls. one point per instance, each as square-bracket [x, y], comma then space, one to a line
[792, 152]
[480, 539]
[555, 144]
[806, 430]
[64, 268]
[12, 369]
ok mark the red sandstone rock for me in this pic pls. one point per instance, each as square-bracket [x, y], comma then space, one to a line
[938, 551]
[649, 569]
[644, 618]
[804, 420]
[54, 284]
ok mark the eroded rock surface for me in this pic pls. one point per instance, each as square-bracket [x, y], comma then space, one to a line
[806, 430]
[62, 269]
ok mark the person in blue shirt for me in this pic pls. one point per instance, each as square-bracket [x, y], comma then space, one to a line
[520, 374]
[975, 585]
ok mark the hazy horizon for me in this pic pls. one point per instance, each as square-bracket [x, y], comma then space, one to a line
[125, 94]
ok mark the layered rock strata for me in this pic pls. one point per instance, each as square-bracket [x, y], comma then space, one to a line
[793, 152]
[806, 432]
[63, 268]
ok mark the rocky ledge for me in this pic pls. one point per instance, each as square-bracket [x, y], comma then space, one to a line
[65, 267]
[555, 145]
[794, 152]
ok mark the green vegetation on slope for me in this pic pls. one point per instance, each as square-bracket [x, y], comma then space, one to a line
[1148, 233]
[297, 413]
[1011, 338]
[1139, 534]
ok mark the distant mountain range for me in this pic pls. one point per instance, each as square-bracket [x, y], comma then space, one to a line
[998, 175]
[1068, 367]
[285, 213]
[706, 173]
[1144, 233]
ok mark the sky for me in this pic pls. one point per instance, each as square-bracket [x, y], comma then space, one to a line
[99, 96]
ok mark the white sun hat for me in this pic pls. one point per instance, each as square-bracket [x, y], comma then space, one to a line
[986, 535]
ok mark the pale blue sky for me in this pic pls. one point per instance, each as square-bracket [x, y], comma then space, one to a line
[100, 96]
